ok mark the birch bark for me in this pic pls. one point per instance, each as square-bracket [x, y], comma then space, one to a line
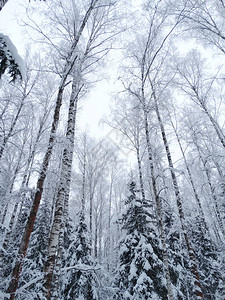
[63, 192]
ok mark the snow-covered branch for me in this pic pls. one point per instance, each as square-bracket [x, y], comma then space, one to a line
[82, 267]
[10, 59]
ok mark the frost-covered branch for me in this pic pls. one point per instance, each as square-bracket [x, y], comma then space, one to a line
[82, 267]
[3, 2]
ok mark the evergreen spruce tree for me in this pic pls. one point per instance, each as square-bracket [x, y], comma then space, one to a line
[12, 239]
[9, 59]
[33, 266]
[140, 272]
[207, 256]
[178, 257]
[78, 283]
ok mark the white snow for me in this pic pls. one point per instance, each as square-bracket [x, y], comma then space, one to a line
[133, 272]
[142, 278]
[147, 266]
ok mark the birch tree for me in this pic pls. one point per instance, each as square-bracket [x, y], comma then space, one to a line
[199, 88]
[207, 173]
[16, 93]
[127, 120]
[97, 46]
[3, 2]
[190, 175]
[69, 61]
[204, 21]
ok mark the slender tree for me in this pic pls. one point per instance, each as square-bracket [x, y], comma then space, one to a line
[199, 88]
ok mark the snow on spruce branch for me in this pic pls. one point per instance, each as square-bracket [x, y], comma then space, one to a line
[10, 59]
[82, 267]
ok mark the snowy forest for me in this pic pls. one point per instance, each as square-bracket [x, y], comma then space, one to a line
[136, 211]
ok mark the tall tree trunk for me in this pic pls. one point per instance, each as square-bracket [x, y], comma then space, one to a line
[96, 236]
[83, 185]
[6, 138]
[100, 233]
[13, 214]
[4, 213]
[198, 288]
[17, 166]
[63, 192]
[11, 223]
[58, 264]
[31, 156]
[215, 125]
[217, 210]
[6, 237]
[158, 209]
[71, 58]
[198, 201]
[108, 238]
[140, 173]
[219, 170]
[91, 218]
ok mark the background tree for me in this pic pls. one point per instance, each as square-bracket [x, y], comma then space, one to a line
[80, 283]
[140, 272]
